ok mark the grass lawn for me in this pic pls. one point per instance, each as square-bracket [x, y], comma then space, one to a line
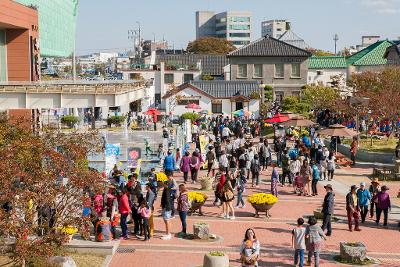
[386, 145]
[81, 260]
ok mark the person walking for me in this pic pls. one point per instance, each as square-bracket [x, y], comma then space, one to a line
[240, 187]
[249, 249]
[364, 198]
[150, 198]
[285, 167]
[382, 205]
[306, 174]
[315, 178]
[210, 158]
[299, 242]
[328, 209]
[353, 150]
[353, 209]
[294, 167]
[330, 165]
[227, 198]
[194, 166]
[183, 206]
[274, 180]
[374, 189]
[224, 162]
[314, 242]
[169, 164]
[255, 171]
[185, 166]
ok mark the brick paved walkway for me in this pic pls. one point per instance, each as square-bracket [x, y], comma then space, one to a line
[273, 233]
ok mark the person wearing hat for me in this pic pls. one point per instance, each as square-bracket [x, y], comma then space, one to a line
[383, 204]
[353, 209]
[364, 198]
[327, 209]
[374, 188]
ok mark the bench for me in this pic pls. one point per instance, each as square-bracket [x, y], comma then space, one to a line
[386, 174]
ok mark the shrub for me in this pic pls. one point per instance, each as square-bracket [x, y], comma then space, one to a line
[69, 120]
[117, 120]
[217, 253]
[190, 116]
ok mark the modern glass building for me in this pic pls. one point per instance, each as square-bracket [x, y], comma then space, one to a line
[57, 25]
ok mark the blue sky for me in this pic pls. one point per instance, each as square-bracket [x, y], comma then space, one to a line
[103, 24]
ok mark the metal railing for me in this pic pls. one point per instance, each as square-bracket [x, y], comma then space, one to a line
[74, 87]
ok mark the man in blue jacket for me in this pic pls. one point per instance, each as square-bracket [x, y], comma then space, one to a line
[364, 199]
[169, 164]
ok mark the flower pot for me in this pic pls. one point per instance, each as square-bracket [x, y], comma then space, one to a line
[353, 252]
[215, 261]
[206, 183]
[195, 206]
[262, 208]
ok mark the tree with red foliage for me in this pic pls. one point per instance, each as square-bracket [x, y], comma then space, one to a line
[42, 179]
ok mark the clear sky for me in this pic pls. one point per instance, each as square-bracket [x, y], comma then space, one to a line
[103, 24]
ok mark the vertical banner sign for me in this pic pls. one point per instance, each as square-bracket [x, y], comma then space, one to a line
[203, 143]
[188, 130]
[133, 155]
[112, 153]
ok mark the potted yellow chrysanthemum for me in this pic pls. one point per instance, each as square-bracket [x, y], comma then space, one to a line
[161, 179]
[197, 200]
[262, 202]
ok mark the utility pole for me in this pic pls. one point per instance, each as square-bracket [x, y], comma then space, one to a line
[74, 63]
[140, 40]
[336, 39]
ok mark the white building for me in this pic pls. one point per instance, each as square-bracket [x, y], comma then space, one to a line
[321, 70]
[217, 97]
[274, 28]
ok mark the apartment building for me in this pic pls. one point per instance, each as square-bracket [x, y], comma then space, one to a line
[274, 28]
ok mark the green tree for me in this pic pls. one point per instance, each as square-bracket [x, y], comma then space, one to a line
[210, 45]
[293, 104]
[320, 97]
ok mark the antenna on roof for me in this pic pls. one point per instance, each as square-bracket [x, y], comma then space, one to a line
[336, 39]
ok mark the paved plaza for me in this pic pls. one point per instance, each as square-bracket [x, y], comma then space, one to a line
[274, 233]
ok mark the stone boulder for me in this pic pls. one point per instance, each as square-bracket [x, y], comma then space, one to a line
[61, 261]
[353, 252]
[201, 231]
[215, 261]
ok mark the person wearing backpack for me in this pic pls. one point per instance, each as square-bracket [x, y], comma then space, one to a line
[240, 188]
[103, 228]
[255, 171]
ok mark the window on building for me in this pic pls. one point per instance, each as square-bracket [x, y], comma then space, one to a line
[168, 78]
[240, 42]
[184, 102]
[220, 28]
[239, 34]
[216, 108]
[279, 96]
[187, 77]
[242, 71]
[258, 71]
[279, 70]
[239, 27]
[240, 19]
[296, 70]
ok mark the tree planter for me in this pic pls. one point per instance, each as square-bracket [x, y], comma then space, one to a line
[201, 231]
[262, 208]
[206, 183]
[353, 252]
[215, 261]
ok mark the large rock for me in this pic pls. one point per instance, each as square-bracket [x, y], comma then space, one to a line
[201, 230]
[60, 261]
[215, 261]
[353, 252]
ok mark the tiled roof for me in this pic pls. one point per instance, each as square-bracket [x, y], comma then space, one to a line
[327, 62]
[269, 47]
[210, 64]
[291, 38]
[370, 56]
[220, 89]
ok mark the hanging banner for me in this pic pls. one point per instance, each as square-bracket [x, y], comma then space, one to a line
[203, 143]
[187, 126]
[112, 153]
[133, 155]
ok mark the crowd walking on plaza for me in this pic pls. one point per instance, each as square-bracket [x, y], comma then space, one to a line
[236, 162]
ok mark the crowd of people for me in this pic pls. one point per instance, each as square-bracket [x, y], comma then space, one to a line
[236, 162]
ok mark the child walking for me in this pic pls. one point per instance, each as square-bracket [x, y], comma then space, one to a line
[299, 242]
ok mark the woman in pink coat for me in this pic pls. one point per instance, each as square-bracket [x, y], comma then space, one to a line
[185, 165]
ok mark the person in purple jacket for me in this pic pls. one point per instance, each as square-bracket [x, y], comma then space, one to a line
[382, 201]
[185, 165]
